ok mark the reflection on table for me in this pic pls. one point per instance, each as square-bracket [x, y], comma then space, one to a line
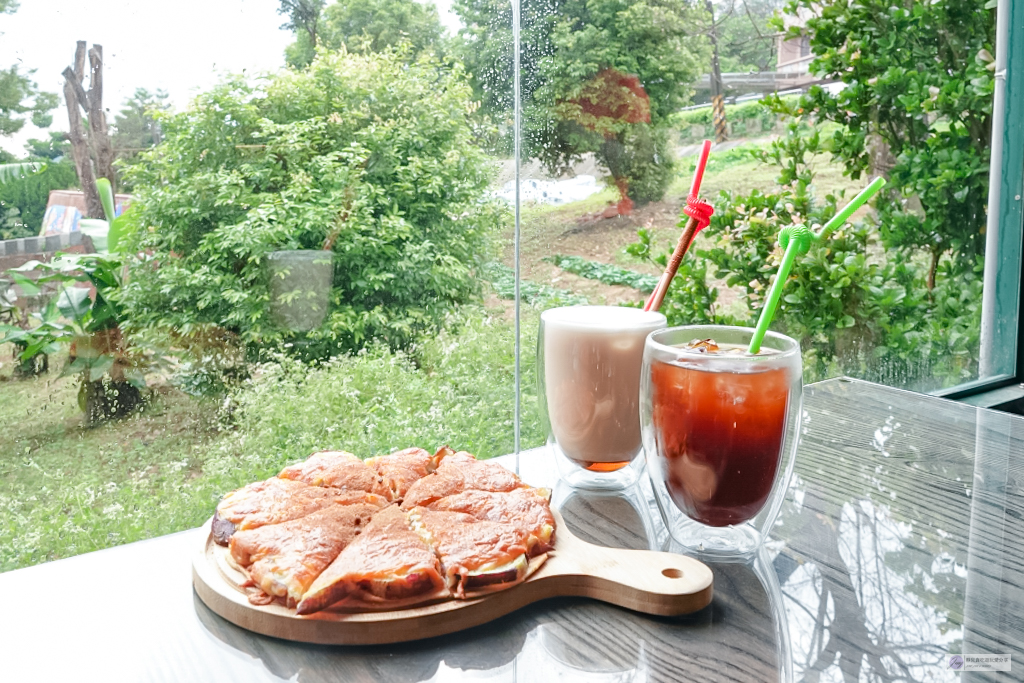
[900, 542]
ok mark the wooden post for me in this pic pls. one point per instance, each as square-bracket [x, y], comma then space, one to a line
[717, 95]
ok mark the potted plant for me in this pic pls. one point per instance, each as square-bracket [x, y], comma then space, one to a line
[88, 321]
[301, 279]
[300, 287]
[85, 316]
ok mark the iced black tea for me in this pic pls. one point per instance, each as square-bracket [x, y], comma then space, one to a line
[719, 433]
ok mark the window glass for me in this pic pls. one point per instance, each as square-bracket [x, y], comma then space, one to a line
[312, 219]
[306, 248]
[618, 96]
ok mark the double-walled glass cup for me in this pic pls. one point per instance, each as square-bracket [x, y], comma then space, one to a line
[588, 366]
[720, 432]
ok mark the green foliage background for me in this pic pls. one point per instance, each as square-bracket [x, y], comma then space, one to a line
[917, 106]
[367, 150]
[370, 25]
[565, 44]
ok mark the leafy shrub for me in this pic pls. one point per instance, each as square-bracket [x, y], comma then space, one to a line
[365, 154]
[928, 128]
[455, 388]
[502, 279]
[855, 308]
[604, 272]
[644, 163]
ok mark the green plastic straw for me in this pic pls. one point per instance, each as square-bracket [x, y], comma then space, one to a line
[796, 240]
[847, 211]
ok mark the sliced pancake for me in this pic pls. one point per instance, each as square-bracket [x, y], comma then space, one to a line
[402, 469]
[457, 473]
[284, 559]
[336, 469]
[527, 508]
[474, 553]
[387, 562]
[271, 502]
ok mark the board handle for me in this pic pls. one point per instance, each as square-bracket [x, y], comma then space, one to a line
[646, 581]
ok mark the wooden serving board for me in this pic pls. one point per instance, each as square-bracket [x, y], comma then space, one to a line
[659, 583]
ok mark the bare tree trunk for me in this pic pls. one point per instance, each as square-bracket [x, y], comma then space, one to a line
[80, 61]
[80, 152]
[98, 120]
[96, 143]
[717, 89]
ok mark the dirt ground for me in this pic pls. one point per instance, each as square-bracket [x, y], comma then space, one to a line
[580, 229]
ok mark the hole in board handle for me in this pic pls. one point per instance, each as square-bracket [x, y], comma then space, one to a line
[672, 573]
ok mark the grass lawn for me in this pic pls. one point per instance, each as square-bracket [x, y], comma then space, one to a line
[66, 489]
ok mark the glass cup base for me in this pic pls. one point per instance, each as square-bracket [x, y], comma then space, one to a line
[577, 476]
[738, 543]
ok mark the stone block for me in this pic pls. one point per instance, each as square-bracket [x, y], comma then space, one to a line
[55, 242]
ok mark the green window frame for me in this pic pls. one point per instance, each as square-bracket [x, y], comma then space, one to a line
[1002, 344]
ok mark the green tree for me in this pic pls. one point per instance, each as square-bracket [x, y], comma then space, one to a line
[916, 107]
[19, 97]
[135, 126]
[303, 16]
[597, 76]
[21, 100]
[746, 40]
[366, 155]
[372, 25]
[53, 148]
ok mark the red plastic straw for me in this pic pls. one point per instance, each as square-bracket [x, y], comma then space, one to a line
[699, 213]
[702, 162]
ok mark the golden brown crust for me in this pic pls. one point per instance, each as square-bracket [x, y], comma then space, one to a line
[400, 470]
[325, 534]
[470, 546]
[269, 502]
[284, 559]
[387, 561]
[525, 508]
[456, 473]
[339, 470]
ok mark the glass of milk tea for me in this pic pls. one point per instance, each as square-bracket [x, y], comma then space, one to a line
[588, 366]
[720, 430]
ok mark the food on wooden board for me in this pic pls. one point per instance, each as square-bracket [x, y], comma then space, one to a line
[389, 561]
[337, 469]
[284, 559]
[335, 530]
[274, 501]
[402, 469]
[457, 473]
[474, 552]
[527, 508]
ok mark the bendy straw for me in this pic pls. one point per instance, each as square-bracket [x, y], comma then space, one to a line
[699, 213]
[698, 173]
[796, 240]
